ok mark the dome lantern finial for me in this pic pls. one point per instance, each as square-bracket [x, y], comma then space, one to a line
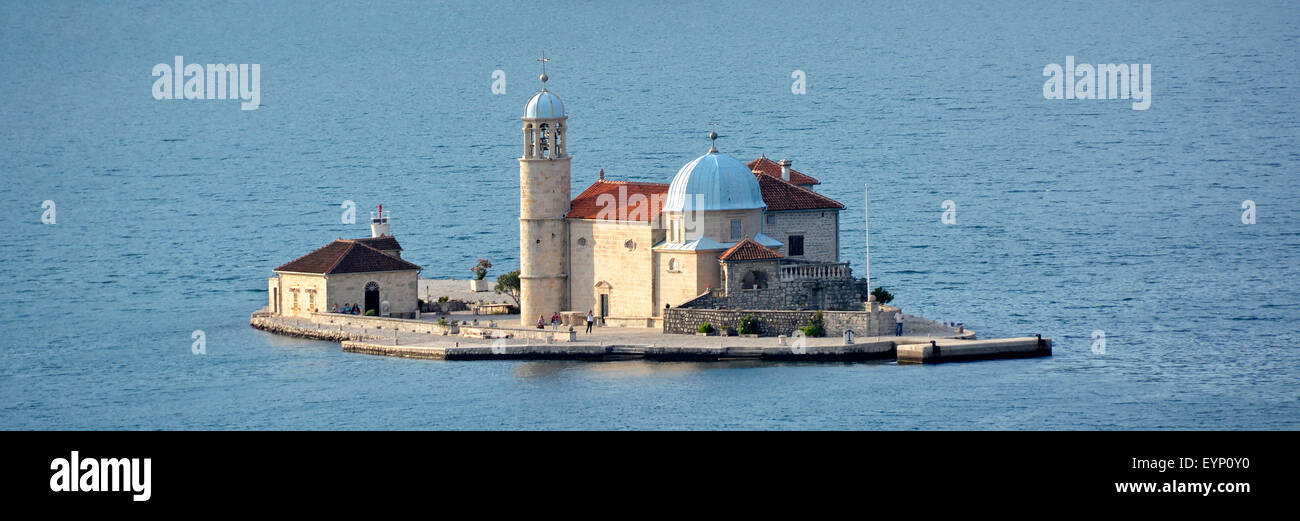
[713, 142]
[543, 60]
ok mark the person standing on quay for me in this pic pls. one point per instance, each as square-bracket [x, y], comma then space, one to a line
[591, 319]
[898, 323]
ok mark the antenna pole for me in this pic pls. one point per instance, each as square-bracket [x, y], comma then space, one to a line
[866, 225]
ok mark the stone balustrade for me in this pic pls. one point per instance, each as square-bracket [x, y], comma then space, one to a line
[827, 270]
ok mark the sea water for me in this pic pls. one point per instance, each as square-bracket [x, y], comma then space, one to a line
[1081, 220]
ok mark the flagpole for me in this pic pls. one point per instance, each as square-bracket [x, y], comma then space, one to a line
[866, 219]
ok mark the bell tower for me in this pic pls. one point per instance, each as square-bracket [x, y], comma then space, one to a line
[543, 203]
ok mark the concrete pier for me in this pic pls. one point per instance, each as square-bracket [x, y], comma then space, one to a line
[873, 351]
[413, 339]
[953, 350]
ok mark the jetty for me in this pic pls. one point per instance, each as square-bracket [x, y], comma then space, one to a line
[456, 340]
[953, 350]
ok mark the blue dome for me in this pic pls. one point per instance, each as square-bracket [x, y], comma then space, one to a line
[725, 182]
[544, 105]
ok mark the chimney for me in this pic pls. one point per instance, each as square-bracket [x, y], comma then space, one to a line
[785, 170]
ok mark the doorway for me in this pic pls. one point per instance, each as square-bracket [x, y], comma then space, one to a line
[372, 298]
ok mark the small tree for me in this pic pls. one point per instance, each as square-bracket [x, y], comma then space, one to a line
[882, 296]
[705, 328]
[480, 270]
[508, 284]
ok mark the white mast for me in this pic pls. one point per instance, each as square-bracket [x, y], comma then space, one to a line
[866, 216]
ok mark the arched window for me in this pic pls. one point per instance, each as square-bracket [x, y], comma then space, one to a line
[543, 134]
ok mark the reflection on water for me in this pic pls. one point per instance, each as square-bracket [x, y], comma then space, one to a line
[646, 368]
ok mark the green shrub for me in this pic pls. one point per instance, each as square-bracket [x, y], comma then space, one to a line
[706, 328]
[816, 325]
[442, 321]
[748, 326]
[444, 299]
[370, 312]
[882, 296]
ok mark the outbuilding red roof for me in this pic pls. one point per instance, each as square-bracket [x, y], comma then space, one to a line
[346, 256]
[780, 195]
[748, 249]
[619, 200]
[771, 168]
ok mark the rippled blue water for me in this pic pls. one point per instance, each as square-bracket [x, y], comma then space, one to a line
[1072, 216]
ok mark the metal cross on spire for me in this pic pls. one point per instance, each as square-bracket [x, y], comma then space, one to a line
[543, 59]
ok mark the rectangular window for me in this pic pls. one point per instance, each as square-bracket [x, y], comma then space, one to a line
[796, 245]
[771, 218]
[736, 229]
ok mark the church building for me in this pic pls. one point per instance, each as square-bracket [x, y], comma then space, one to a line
[736, 233]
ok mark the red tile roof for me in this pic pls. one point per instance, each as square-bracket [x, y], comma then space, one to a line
[748, 249]
[780, 195]
[770, 167]
[346, 256]
[621, 202]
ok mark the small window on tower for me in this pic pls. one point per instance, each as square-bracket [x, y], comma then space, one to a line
[796, 245]
[771, 218]
[736, 229]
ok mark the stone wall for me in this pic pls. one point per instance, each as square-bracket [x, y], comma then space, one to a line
[619, 254]
[302, 294]
[694, 271]
[773, 323]
[543, 237]
[328, 320]
[820, 230]
[331, 321]
[398, 288]
[734, 273]
[825, 294]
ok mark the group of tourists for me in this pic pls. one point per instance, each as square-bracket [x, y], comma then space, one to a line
[555, 321]
[347, 309]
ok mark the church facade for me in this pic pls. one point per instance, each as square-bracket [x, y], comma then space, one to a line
[756, 233]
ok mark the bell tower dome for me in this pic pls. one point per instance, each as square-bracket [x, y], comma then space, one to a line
[544, 196]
